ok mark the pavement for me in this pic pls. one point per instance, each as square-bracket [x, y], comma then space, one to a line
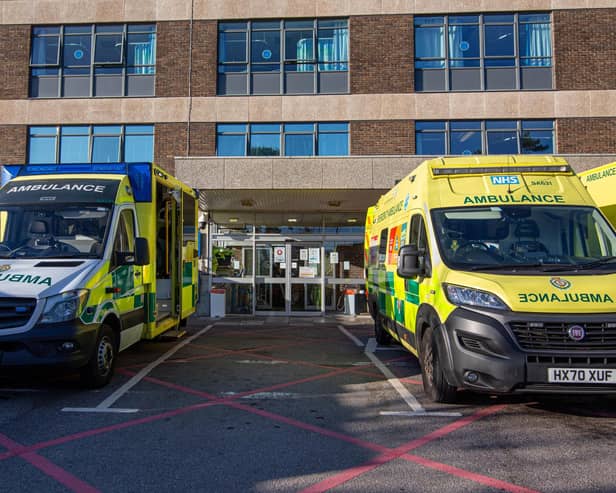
[280, 404]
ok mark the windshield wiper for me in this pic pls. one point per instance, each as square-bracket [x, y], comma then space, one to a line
[551, 267]
[597, 263]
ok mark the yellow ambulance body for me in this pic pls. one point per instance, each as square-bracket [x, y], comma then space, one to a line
[93, 258]
[498, 273]
[601, 184]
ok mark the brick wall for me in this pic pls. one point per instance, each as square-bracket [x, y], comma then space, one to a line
[381, 56]
[205, 47]
[586, 135]
[169, 142]
[585, 49]
[14, 61]
[202, 139]
[172, 58]
[13, 148]
[383, 137]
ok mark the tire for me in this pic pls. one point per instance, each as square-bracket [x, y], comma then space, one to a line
[99, 370]
[434, 382]
[380, 333]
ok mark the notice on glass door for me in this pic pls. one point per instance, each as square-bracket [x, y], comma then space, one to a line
[279, 254]
[333, 257]
[314, 255]
[303, 254]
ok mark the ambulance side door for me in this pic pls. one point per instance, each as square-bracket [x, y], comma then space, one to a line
[127, 278]
[414, 287]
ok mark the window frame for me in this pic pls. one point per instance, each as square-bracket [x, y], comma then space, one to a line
[315, 66]
[484, 67]
[38, 132]
[486, 128]
[246, 130]
[93, 70]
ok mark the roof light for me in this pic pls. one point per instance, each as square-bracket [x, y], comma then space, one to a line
[478, 170]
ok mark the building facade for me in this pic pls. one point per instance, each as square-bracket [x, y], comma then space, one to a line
[291, 118]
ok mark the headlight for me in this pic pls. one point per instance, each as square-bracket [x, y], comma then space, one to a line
[459, 295]
[64, 306]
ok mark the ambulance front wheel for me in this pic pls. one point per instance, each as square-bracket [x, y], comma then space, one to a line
[380, 333]
[99, 370]
[434, 382]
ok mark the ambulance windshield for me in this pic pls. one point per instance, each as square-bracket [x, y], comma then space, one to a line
[545, 238]
[53, 231]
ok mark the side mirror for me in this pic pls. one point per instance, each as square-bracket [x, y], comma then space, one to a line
[411, 262]
[142, 251]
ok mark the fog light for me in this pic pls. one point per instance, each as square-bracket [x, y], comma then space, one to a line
[67, 347]
[471, 377]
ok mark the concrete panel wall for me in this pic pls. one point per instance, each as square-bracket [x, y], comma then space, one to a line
[353, 173]
[78, 11]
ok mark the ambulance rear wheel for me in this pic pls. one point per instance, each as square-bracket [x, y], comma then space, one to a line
[99, 370]
[380, 334]
[434, 382]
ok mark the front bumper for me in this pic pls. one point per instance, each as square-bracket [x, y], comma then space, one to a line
[484, 344]
[43, 346]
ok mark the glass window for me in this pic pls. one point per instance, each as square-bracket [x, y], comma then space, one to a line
[74, 52]
[297, 139]
[496, 45]
[98, 144]
[265, 46]
[231, 140]
[139, 143]
[42, 145]
[299, 48]
[45, 50]
[74, 145]
[484, 137]
[264, 140]
[333, 139]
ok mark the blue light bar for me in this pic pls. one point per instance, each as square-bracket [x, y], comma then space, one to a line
[139, 174]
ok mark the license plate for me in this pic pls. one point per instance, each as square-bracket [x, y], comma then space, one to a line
[581, 375]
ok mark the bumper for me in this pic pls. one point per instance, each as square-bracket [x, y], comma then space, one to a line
[483, 354]
[43, 346]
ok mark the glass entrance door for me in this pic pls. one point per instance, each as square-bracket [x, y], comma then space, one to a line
[305, 277]
[288, 278]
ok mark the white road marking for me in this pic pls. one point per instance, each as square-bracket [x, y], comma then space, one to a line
[262, 362]
[105, 406]
[350, 336]
[416, 408]
[98, 410]
[391, 378]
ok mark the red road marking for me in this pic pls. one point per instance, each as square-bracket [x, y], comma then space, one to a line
[386, 454]
[47, 467]
[392, 454]
[461, 473]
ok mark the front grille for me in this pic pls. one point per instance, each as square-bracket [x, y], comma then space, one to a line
[554, 336]
[15, 312]
[581, 361]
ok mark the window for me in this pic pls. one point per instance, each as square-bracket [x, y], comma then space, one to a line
[93, 60]
[490, 52]
[287, 139]
[467, 137]
[124, 241]
[383, 246]
[283, 57]
[91, 144]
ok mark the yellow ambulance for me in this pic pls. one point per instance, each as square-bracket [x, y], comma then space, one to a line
[93, 258]
[601, 184]
[498, 273]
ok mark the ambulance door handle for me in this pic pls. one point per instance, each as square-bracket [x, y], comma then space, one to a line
[137, 273]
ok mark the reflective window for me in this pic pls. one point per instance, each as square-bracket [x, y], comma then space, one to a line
[91, 144]
[468, 137]
[289, 139]
[483, 52]
[93, 60]
[283, 57]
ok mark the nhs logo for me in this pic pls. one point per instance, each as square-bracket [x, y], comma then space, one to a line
[505, 180]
